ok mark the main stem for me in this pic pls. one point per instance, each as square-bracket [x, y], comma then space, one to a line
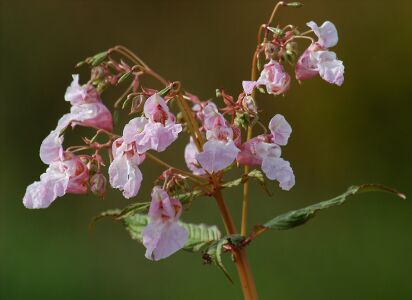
[240, 257]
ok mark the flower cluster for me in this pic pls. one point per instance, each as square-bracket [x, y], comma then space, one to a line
[220, 135]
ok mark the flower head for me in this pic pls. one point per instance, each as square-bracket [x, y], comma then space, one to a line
[163, 236]
[124, 172]
[273, 76]
[68, 174]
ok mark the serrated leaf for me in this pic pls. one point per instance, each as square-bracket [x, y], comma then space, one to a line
[213, 255]
[298, 217]
[254, 174]
[200, 235]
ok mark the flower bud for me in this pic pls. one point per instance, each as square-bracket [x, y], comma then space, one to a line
[249, 105]
[98, 184]
[271, 51]
[137, 103]
[92, 166]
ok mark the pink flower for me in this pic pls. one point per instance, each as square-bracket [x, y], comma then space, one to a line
[69, 175]
[156, 110]
[317, 59]
[217, 155]
[280, 129]
[157, 137]
[264, 150]
[124, 172]
[248, 86]
[93, 114]
[163, 236]
[327, 33]
[276, 80]
[190, 158]
[156, 131]
[307, 64]
[220, 149]
[51, 148]
[314, 61]
[77, 94]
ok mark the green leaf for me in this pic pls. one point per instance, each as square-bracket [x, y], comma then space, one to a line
[213, 255]
[200, 235]
[301, 216]
[254, 174]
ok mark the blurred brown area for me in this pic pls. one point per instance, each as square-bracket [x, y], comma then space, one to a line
[354, 134]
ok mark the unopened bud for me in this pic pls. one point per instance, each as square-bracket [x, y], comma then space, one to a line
[249, 105]
[271, 51]
[137, 103]
[294, 4]
[97, 74]
[242, 119]
[93, 166]
[98, 183]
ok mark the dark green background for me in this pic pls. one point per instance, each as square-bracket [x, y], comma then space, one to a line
[342, 136]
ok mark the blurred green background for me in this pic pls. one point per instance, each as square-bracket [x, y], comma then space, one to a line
[355, 134]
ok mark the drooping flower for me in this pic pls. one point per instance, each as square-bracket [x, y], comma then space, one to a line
[317, 59]
[163, 236]
[66, 175]
[264, 150]
[156, 131]
[220, 150]
[93, 114]
[273, 76]
[87, 107]
[124, 172]
[78, 94]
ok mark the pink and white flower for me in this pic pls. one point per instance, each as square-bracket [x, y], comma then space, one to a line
[80, 94]
[156, 131]
[163, 236]
[220, 150]
[264, 150]
[124, 172]
[317, 59]
[273, 76]
[68, 174]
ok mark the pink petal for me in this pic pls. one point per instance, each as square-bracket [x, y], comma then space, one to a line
[92, 114]
[280, 129]
[248, 86]
[217, 155]
[327, 33]
[280, 170]
[190, 158]
[163, 239]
